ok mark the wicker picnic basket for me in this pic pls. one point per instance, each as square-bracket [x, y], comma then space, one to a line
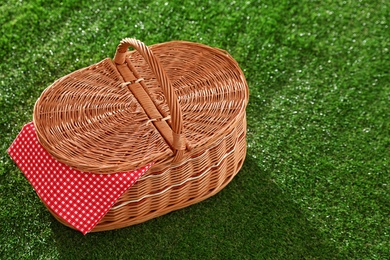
[178, 104]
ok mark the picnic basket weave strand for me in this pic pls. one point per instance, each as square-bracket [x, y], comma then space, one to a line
[178, 104]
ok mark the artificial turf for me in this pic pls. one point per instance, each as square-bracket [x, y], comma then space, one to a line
[315, 184]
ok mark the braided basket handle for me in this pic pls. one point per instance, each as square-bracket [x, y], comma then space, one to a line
[172, 100]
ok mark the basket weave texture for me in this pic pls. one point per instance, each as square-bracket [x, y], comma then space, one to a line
[178, 104]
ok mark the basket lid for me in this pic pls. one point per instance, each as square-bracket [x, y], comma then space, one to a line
[146, 105]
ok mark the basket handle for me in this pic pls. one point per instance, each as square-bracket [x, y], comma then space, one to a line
[179, 144]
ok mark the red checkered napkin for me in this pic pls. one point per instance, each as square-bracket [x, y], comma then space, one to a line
[80, 198]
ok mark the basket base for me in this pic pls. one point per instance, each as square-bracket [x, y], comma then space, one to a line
[106, 226]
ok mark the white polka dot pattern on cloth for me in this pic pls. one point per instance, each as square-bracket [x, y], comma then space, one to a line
[81, 199]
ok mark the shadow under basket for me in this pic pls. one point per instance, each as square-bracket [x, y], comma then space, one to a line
[178, 104]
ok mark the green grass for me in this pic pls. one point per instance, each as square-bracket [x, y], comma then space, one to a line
[315, 184]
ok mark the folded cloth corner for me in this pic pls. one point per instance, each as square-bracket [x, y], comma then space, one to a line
[82, 199]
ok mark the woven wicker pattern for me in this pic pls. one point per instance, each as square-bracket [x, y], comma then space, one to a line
[179, 104]
[88, 121]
